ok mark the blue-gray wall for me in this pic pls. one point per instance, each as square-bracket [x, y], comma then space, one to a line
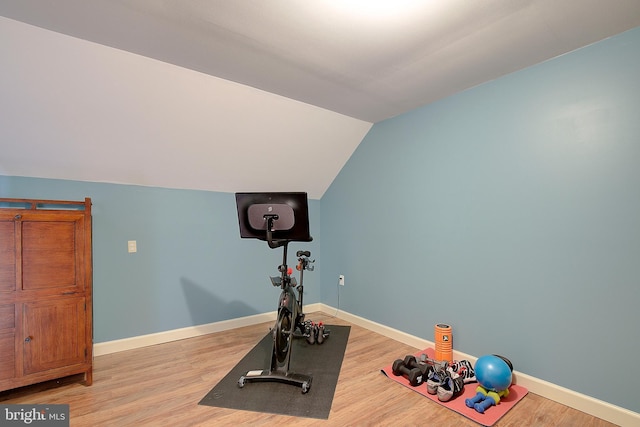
[510, 211]
[191, 267]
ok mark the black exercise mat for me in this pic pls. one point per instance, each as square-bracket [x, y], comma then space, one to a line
[322, 361]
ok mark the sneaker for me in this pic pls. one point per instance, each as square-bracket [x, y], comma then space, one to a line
[320, 338]
[311, 332]
[464, 369]
[452, 386]
[435, 380]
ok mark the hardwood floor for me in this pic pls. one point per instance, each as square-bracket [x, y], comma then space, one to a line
[161, 386]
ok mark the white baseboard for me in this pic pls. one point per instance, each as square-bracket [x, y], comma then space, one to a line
[107, 347]
[597, 408]
[100, 349]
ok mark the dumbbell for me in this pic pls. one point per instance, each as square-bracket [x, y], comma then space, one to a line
[412, 362]
[414, 375]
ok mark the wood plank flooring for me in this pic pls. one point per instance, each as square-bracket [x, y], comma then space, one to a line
[161, 386]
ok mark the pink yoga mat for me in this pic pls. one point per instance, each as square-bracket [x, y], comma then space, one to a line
[490, 416]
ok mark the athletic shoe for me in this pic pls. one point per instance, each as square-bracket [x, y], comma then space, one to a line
[452, 386]
[435, 380]
[320, 337]
[311, 332]
[464, 369]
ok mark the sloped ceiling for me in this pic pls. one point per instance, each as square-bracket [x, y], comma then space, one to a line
[251, 95]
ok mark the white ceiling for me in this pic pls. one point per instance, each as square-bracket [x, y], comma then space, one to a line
[214, 94]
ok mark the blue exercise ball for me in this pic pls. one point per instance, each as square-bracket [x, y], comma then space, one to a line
[493, 373]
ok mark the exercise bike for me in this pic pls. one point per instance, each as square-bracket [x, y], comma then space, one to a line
[290, 318]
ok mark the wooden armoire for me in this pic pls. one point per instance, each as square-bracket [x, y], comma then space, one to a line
[46, 328]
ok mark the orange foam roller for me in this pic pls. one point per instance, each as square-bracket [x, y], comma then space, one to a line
[444, 342]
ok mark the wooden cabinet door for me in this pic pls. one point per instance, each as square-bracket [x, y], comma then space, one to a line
[54, 334]
[53, 252]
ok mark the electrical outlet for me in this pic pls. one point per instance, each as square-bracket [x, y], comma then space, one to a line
[132, 246]
[341, 280]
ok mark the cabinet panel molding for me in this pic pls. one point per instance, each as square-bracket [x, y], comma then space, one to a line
[7, 254]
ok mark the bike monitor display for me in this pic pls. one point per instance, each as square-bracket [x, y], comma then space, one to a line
[288, 214]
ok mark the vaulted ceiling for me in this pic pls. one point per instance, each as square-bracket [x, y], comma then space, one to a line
[254, 95]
